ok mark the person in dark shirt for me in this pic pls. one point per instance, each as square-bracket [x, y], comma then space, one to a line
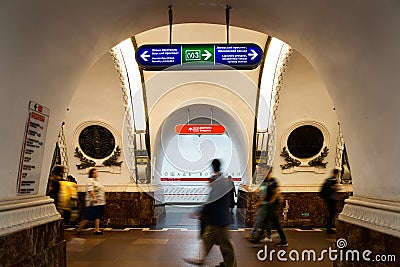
[272, 201]
[217, 217]
[232, 194]
[57, 175]
[71, 179]
[261, 209]
[331, 199]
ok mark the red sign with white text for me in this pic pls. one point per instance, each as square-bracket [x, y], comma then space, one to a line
[199, 129]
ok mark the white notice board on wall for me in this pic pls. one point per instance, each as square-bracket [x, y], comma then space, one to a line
[30, 165]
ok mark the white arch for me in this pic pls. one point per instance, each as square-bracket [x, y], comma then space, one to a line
[239, 116]
[47, 47]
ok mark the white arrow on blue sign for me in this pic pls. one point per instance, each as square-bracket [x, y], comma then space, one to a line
[199, 56]
[144, 56]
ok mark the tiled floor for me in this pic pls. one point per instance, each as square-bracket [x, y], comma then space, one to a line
[176, 237]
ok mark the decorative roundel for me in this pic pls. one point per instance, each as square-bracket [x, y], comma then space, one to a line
[96, 141]
[305, 141]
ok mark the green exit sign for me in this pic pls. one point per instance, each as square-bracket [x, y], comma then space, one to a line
[198, 54]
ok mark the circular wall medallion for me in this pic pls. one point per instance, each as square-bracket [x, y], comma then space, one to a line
[97, 141]
[305, 141]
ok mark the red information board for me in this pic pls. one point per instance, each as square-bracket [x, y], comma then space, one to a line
[30, 165]
[199, 129]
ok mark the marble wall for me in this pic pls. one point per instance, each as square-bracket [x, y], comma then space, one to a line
[133, 209]
[361, 239]
[128, 209]
[42, 245]
[300, 209]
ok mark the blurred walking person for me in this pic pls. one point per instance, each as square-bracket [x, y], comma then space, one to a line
[260, 206]
[272, 201]
[232, 194]
[330, 188]
[53, 185]
[94, 202]
[217, 218]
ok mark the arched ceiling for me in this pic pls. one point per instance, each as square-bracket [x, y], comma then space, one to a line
[105, 23]
[47, 46]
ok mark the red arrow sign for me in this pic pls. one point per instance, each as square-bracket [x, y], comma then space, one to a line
[199, 129]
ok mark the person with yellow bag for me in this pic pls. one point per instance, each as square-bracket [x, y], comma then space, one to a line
[68, 202]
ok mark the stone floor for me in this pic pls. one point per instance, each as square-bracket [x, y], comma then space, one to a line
[177, 237]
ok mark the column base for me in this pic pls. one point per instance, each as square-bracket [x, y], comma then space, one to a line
[41, 245]
[362, 239]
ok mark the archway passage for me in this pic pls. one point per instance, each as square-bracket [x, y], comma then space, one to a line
[183, 163]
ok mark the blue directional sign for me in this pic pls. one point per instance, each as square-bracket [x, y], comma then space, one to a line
[200, 56]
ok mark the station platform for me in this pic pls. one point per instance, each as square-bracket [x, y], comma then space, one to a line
[177, 237]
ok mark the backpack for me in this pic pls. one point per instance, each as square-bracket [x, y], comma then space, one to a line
[67, 195]
[324, 190]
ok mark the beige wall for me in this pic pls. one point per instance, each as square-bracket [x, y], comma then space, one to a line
[98, 99]
[304, 98]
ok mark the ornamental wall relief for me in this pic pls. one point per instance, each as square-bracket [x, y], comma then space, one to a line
[304, 147]
[97, 144]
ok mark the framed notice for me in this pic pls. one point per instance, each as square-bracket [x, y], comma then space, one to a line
[30, 165]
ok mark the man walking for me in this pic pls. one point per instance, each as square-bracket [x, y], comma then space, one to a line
[331, 188]
[271, 201]
[217, 218]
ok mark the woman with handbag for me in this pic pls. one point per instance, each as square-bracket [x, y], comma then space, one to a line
[95, 202]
